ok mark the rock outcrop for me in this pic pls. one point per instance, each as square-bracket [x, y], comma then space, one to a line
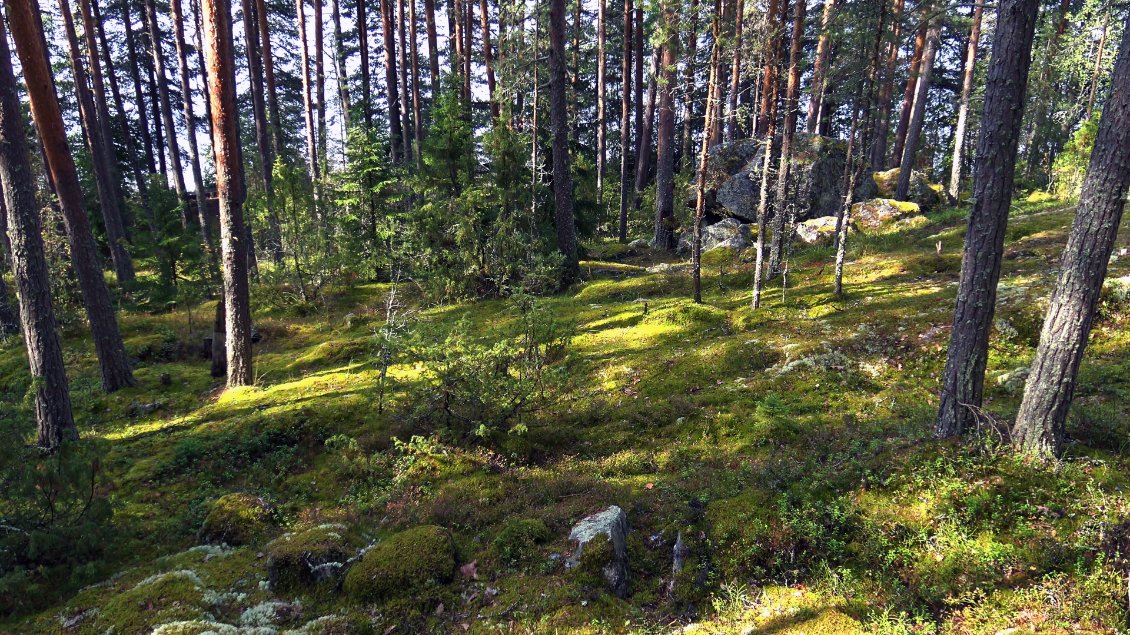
[926, 194]
[600, 550]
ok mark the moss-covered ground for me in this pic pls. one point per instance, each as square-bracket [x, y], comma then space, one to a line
[791, 447]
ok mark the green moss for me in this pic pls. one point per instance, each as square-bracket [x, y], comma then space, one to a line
[304, 559]
[412, 560]
[165, 597]
[236, 519]
[518, 541]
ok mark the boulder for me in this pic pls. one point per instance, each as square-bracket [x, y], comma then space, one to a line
[817, 231]
[236, 519]
[728, 233]
[600, 550]
[926, 194]
[407, 563]
[307, 558]
[880, 212]
[638, 244]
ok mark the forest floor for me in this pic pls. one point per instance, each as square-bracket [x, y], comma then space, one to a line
[791, 447]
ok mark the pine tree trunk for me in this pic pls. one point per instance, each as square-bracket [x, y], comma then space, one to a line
[27, 33]
[417, 104]
[964, 377]
[1034, 139]
[733, 126]
[601, 78]
[135, 75]
[772, 60]
[625, 121]
[1051, 383]
[363, 49]
[908, 96]
[686, 140]
[1095, 74]
[963, 104]
[918, 110]
[455, 40]
[558, 121]
[395, 130]
[643, 142]
[320, 88]
[100, 149]
[307, 98]
[340, 62]
[820, 67]
[198, 37]
[783, 221]
[882, 120]
[843, 214]
[488, 62]
[54, 420]
[665, 133]
[468, 48]
[637, 83]
[402, 53]
[252, 32]
[190, 119]
[166, 108]
[713, 111]
[230, 189]
[433, 47]
[155, 114]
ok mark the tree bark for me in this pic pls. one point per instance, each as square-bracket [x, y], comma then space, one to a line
[95, 122]
[918, 110]
[417, 104]
[433, 47]
[686, 141]
[964, 376]
[488, 61]
[558, 121]
[1051, 383]
[395, 130]
[363, 49]
[252, 33]
[908, 95]
[320, 87]
[820, 66]
[166, 107]
[405, 113]
[637, 80]
[468, 48]
[772, 61]
[55, 422]
[229, 189]
[625, 121]
[665, 132]
[27, 33]
[882, 121]
[307, 98]
[783, 221]
[135, 75]
[713, 111]
[1097, 67]
[601, 128]
[733, 126]
[959, 134]
[198, 37]
[643, 143]
[340, 61]
[190, 119]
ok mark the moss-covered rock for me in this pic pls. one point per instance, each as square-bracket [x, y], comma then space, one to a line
[167, 597]
[307, 558]
[412, 560]
[518, 540]
[236, 519]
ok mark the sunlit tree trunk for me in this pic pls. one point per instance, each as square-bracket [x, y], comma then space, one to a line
[960, 131]
[27, 33]
[625, 122]
[307, 98]
[733, 126]
[402, 53]
[166, 107]
[908, 95]
[882, 118]
[820, 67]
[918, 110]
[135, 75]
[665, 132]
[417, 104]
[643, 142]
[433, 46]
[395, 129]
[686, 142]
[251, 33]
[55, 422]
[601, 128]
[964, 377]
[363, 49]
[230, 189]
[769, 72]
[190, 119]
[713, 111]
[782, 222]
[340, 62]
[320, 88]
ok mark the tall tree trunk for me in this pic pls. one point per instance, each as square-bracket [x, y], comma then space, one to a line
[135, 75]
[230, 189]
[558, 121]
[363, 49]
[908, 95]
[918, 111]
[1097, 67]
[820, 66]
[166, 107]
[455, 40]
[733, 126]
[601, 128]
[433, 47]
[767, 106]
[783, 221]
[665, 137]
[843, 214]
[637, 81]
[340, 62]
[964, 377]
[122, 119]
[488, 60]
[190, 119]
[643, 142]
[1051, 384]
[395, 134]
[155, 115]
[27, 33]
[307, 98]
[625, 121]
[963, 103]
[95, 122]
[468, 48]
[320, 87]
[1042, 100]
[713, 111]
[402, 52]
[198, 37]
[686, 141]
[252, 32]
[54, 420]
[882, 120]
[772, 62]
[417, 104]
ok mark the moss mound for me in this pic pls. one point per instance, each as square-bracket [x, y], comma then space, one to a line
[307, 558]
[167, 597]
[236, 519]
[409, 561]
[517, 542]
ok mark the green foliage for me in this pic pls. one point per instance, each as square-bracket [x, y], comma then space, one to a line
[1071, 163]
[518, 541]
[236, 519]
